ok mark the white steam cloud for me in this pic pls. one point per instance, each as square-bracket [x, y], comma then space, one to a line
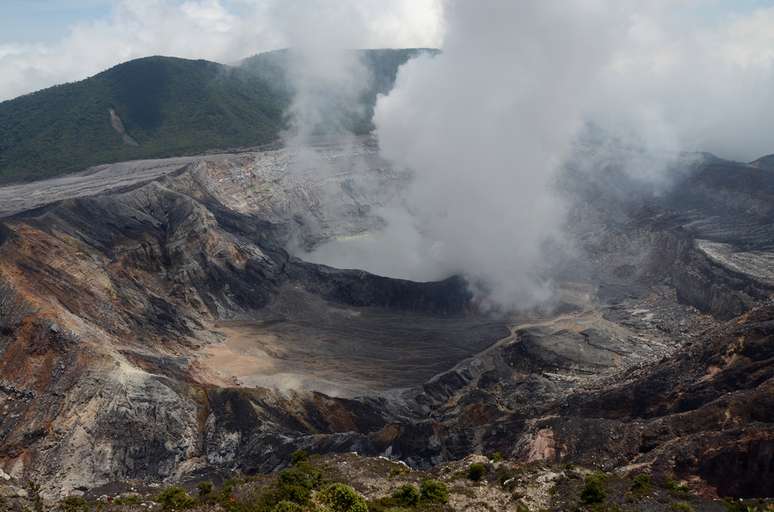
[486, 125]
[678, 83]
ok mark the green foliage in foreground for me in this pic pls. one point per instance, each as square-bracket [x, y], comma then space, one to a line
[287, 506]
[434, 491]
[476, 472]
[313, 485]
[676, 488]
[406, 496]
[641, 486]
[74, 504]
[342, 498]
[175, 498]
[593, 491]
[298, 457]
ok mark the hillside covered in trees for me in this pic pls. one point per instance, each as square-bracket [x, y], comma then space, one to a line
[162, 106]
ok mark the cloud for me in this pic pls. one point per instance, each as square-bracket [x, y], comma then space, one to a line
[212, 29]
[678, 85]
[484, 126]
[487, 125]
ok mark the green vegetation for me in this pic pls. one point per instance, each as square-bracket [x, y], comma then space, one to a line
[749, 505]
[406, 496]
[641, 485]
[476, 472]
[130, 499]
[676, 487]
[429, 496]
[74, 504]
[298, 456]
[315, 484]
[33, 490]
[398, 470]
[301, 475]
[433, 491]
[287, 506]
[205, 490]
[295, 485]
[175, 498]
[169, 106]
[343, 498]
[496, 457]
[594, 490]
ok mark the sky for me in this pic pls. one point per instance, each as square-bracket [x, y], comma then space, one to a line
[45, 42]
[46, 21]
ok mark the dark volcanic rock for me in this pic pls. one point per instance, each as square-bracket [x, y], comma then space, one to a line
[108, 300]
[161, 329]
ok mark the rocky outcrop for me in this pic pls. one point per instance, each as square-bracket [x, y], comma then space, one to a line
[107, 301]
[158, 328]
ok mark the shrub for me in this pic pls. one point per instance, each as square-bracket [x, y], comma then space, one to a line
[175, 498]
[303, 475]
[682, 507]
[641, 485]
[476, 472]
[343, 498]
[294, 493]
[205, 490]
[496, 457]
[74, 504]
[434, 491]
[296, 483]
[128, 499]
[33, 490]
[287, 506]
[407, 495]
[593, 491]
[397, 470]
[229, 485]
[676, 487]
[732, 505]
[298, 456]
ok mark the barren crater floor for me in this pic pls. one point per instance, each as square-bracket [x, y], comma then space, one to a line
[156, 325]
[355, 353]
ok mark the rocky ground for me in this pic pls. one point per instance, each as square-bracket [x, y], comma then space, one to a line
[473, 484]
[155, 328]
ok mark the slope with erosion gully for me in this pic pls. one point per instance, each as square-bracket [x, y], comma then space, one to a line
[153, 326]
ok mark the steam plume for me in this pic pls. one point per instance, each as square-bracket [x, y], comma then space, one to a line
[486, 125]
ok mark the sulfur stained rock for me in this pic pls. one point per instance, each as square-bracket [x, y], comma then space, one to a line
[157, 327]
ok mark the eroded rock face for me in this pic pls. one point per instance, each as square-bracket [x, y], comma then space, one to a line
[110, 299]
[158, 327]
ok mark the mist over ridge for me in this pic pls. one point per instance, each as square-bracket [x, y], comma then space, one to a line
[488, 125]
